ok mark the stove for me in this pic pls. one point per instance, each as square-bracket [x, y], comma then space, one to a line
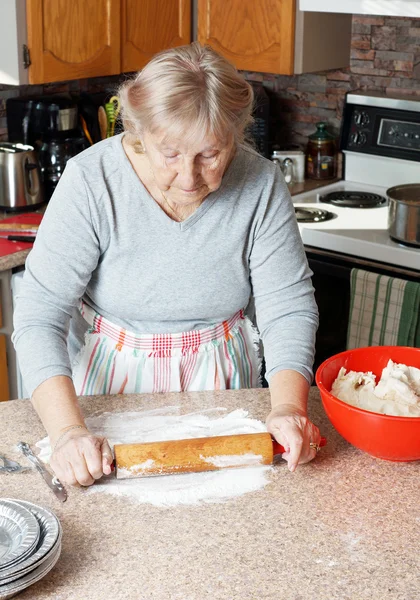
[380, 140]
[356, 199]
[313, 215]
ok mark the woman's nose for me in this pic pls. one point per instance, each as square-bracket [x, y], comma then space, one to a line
[187, 175]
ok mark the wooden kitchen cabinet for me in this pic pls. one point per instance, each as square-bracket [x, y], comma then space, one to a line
[75, 39]
[8, 361]
[72, 39]
[149, 26]
[274, 36]
[4, 377]
[56, 40]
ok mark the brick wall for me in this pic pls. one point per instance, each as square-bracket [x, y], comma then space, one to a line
[385, 55]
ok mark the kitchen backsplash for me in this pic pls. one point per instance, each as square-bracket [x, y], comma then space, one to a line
[385, 55]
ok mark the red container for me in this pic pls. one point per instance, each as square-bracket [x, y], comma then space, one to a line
[382, 436]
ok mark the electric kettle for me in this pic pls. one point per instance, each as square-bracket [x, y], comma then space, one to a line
[21, 187]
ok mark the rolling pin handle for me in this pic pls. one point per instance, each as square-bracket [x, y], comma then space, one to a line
[279, 449]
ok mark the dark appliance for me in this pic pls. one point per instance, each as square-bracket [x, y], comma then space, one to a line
[51, 125]
[380, 138]
[20, 178]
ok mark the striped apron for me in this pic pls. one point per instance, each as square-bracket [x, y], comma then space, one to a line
[116, 361]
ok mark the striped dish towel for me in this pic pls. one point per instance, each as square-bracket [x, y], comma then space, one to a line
[383, 311]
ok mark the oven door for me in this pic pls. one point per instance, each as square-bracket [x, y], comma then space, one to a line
[331, 280]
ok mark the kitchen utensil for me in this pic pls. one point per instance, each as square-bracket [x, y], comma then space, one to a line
[7, 226]
[103, 122]
[28, 220]
[20, 178]
[55, 485]
[112, 109]
[19, 238]
[404, 213]
[88, 109]
[197, 454]
[19, 533]
[384, 436]
[10, 466]
[48, 544]
[85, 130]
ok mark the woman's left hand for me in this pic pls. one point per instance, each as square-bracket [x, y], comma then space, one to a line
[295, 432]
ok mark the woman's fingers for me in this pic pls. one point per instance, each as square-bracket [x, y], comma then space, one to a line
[310, 435]
[91, 449]
[82, 460]
[295, 449]
[296, 433]
[63, 470]
[107, 458]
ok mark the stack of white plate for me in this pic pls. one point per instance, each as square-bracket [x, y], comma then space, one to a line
[30, 544]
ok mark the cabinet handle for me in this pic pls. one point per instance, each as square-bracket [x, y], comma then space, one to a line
[26, 56]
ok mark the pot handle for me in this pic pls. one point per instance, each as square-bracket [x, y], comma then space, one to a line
[29, 167]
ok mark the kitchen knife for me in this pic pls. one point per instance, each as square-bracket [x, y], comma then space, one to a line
[19, 238]
[55, 485]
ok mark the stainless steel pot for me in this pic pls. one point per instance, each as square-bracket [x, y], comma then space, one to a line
[404, 213]
[20, 178]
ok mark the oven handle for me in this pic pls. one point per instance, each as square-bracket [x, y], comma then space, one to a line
[328, 268]
[325, 261]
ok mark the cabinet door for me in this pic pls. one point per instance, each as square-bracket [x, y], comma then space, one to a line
[150, 26]
[72, 39]
[254, 35]
[4, 378]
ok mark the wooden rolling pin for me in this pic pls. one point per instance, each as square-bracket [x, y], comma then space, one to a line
[18, 226]
[197, 454]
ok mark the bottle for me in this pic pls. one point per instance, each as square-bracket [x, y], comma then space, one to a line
[321, 154]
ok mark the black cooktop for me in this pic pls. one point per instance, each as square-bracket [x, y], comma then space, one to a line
[354, 199]
[312, 215]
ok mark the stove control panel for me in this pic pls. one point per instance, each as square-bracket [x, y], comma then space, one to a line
[399, 134]
[374, 129]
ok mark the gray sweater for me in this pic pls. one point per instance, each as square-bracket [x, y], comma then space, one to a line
[104, 239]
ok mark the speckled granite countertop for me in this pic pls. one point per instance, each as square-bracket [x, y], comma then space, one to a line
[310, 184]
[344, 527]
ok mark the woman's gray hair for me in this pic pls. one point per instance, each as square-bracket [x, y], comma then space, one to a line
[187, 91]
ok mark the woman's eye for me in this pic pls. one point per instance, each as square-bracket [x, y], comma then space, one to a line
[209, 157]
[170, 156]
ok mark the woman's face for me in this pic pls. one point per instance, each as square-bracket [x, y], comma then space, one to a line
[187, 171]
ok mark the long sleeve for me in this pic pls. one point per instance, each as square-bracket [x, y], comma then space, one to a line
[286, 311]
[58, 270]
[105, 239]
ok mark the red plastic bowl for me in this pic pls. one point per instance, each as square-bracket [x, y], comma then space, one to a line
[382, 436]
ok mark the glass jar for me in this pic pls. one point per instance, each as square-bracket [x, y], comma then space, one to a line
[321, 154]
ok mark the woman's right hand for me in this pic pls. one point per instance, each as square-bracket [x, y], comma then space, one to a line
[81, 458]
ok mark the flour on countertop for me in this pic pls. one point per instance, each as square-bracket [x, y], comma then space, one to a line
[234, 460]
[168, 424]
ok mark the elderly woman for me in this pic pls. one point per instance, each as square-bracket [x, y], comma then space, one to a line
[157, 247]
